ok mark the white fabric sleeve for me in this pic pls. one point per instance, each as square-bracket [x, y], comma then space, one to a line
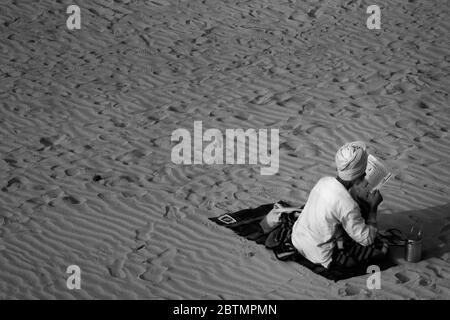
[354, 224]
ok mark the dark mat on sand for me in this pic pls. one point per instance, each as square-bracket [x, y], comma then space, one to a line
[246, 223]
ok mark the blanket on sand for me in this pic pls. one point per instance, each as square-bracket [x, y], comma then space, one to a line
[247, 223]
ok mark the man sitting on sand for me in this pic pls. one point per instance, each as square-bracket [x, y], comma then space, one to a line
[332, 214]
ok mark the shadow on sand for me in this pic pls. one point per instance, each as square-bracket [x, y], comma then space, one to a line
[436, 228]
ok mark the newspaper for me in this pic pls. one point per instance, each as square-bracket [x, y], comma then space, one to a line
[376, 174]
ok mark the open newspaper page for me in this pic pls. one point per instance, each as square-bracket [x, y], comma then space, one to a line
[376, 174]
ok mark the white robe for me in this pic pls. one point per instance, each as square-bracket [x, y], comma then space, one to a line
[329, 205]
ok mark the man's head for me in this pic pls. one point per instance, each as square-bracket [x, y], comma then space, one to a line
[351, 162]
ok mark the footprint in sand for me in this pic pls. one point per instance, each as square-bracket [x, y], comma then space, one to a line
[132, 157]
[423, 282]
[71, 200]
[72, 172]
[128, 194]
[129, 178]
[11, 162]
[16, 183]
[406, 276]
[437, 270]
[242, 116]
[97, 178]
[52, 194]
[154, 273]
[241, 195]
[173, 213]
[38, 187]
[52, 141]
[404, 123]
[164, 257]
[144, 233]
[349, 291]
[136, 153]
[401, 278]
[116, 269]
[39, 201]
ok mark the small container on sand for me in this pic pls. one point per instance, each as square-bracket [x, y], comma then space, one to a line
[413, 251]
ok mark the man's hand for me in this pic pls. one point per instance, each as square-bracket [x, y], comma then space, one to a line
[374, 199]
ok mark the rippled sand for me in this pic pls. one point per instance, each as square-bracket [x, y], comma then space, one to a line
[86, 118]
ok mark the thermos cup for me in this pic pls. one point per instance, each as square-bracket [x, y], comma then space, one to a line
[413, 251]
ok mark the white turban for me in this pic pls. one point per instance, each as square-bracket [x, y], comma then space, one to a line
[351, 160]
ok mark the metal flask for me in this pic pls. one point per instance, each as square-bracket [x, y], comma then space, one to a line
[413, 251]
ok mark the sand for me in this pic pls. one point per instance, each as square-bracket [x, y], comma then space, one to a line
[86, 118]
